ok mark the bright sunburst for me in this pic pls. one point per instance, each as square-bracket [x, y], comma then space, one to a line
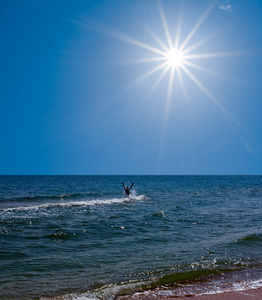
[175, 58]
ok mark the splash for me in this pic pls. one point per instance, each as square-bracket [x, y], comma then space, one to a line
[78, 203]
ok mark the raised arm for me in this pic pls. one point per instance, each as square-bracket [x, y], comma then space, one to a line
[123, 184]
[131, 186]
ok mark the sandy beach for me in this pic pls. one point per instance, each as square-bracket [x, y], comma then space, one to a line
[238, 295]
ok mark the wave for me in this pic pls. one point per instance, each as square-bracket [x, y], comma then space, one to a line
[197, 289]
[76, 203]
[56, 196]
[184, 284]
[107, 292]
[255, 237]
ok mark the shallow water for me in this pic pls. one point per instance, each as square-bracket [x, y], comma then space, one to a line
[79, 236]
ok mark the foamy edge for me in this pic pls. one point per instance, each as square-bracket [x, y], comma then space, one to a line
[76, 203]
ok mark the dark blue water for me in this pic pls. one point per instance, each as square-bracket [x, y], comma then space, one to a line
[78, 236]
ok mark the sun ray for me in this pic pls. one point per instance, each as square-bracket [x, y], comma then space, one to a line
[195, 28]
[157, 39]
[167, 111]
[140, 44]
[163, 18]
[201, 68]
[216, 102]
[177, 36]
[162, 75]
[215, 54]
[167, 107]
[147, 74]
[176, 58]
[170, 86]
[144, 60]
[126, 38]
[181, 81]
[201, 86]
[196, 45]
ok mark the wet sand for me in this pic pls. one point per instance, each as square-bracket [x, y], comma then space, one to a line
[240, 295]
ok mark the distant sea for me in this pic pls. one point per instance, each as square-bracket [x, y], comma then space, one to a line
[79, 237]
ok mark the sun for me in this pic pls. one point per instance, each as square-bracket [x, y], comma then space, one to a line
[175, 58]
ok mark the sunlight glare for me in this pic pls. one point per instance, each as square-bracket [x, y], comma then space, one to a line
[175, 58]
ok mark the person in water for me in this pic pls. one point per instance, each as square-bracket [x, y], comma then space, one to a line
[127, 189]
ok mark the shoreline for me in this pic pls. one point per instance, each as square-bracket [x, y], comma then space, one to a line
[233, 295]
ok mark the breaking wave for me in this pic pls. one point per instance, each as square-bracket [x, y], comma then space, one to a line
[55, 196]
[82, 203]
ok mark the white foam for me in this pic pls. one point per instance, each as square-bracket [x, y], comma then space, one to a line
[239, 286]
[108, 292]
[198, 289]
[77, 203]
[211, 288]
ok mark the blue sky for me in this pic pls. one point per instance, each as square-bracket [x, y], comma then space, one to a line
[89, 87]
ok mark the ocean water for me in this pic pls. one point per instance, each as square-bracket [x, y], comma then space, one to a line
[79, 237]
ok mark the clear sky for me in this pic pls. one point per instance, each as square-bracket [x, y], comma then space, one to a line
[131, 87]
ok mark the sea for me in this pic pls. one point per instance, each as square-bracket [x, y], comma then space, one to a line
[80, 237]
